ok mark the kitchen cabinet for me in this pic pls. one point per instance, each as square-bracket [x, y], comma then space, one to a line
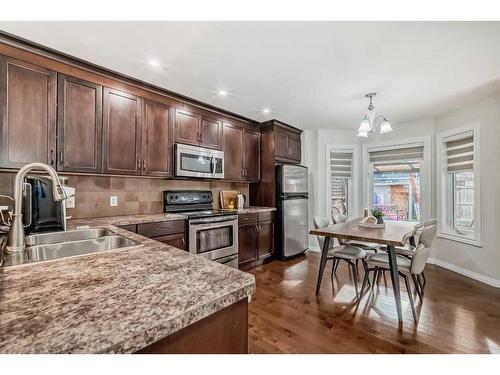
[241, 153]
[251, 155]
[157, 140]
[171, 232]
[121, 132]
[28, 114]
[288, 145]
[255, 239]
[79, 125]
[194, 129]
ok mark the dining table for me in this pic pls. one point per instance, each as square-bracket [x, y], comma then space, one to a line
[394, 233]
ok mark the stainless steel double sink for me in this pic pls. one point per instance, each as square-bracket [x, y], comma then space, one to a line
[54, 245]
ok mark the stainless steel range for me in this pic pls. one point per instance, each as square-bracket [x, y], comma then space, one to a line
[212, 233]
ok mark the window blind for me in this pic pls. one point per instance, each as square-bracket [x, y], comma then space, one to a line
[397, 155]
[460, 154]
[341, 164]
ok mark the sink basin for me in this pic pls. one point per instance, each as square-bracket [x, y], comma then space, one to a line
[55, 245]
[66, 236]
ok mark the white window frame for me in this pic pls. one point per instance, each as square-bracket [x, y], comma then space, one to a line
[426, 173]
[444, 196]
[352, 184]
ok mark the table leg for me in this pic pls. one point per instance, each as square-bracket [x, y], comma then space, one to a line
[395, 280]
[322, 263]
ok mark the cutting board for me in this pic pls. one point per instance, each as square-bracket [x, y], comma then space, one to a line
[227, 197]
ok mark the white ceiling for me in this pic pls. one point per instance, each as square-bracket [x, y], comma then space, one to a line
[310, 74]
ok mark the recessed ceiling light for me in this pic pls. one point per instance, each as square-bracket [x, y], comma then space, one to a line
[222, 92]
[266, 110]
[154, 63]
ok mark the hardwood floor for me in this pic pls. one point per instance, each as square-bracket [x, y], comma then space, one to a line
[458, 315]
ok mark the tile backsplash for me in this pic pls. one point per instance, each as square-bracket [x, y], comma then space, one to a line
[135, 195]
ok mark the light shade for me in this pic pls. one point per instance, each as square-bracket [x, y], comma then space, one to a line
[362, 134]
[385, 127]
[364, 125]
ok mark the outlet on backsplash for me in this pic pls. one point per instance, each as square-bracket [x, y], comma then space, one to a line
[113, 201]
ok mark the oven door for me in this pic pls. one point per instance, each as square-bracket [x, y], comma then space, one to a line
[193, 161]
[214, 238]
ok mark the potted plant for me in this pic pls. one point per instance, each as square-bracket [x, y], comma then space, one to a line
[379, 215]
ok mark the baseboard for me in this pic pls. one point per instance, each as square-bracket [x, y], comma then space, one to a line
[462, 271]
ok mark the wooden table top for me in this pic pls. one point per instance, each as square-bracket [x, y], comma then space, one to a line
[395, 232]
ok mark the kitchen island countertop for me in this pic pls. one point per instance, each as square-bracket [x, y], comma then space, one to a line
[117, 301]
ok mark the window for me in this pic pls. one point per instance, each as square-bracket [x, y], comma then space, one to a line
[395, 187]
[340, 178]
[458, 191]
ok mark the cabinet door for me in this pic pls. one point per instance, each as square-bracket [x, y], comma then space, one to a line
[294, 147]
[122, 132]
[175, 240]
[28, 114]
[79, 125]
[247, 244]
[281, 146]
[211, 133]
[187, 127]
[251, 155]
[233, 152]
[156, 140]
[265, 239]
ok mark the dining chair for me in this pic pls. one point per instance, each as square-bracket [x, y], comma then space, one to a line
[408, 251]
[345, 252]
[338, 217]
[406, 267]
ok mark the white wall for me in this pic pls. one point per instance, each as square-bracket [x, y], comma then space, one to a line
[481, 263]
[484, 261]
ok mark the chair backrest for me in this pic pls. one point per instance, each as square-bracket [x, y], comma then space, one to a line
[430, 222]
[423, 250]
[337, 218]
[340, 207]
[321, 222]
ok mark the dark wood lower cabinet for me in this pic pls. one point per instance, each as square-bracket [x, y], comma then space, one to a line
[172, 232]
[224, 332]
[255, 239]
[175, 240]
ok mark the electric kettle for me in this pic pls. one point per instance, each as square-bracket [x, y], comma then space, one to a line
[240, 201]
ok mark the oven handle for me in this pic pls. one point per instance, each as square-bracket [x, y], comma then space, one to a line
[226, 259]
[211, 221]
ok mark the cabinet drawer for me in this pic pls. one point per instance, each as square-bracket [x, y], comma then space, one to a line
[129, 227]
[247, 219]
[266, 216]
[163, 228]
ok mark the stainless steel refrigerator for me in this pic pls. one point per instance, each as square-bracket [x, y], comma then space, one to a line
[292, 225]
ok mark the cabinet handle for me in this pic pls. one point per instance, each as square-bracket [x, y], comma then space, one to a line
[138, 164]
[163, 228]
[201, 137]
[51, 156]
[61, 156]
[143, 165]
[183, 242]
[242, 173]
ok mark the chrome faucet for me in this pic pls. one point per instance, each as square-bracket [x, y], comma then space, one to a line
[15, 240]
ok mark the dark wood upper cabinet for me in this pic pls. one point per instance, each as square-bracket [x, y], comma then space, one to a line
[251, 155]
[28, 114]
[281, 142]
[294, 147]
[233, 152]
[121, 133]
[187, 127]
[157, 140]
[211, 133]
[79, 125]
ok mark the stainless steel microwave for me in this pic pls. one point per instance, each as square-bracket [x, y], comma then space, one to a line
[194, 161]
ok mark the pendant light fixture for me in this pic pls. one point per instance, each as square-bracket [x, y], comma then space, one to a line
[371, 121]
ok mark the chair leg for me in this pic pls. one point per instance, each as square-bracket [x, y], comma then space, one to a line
[338, 261]
[357, 270]
[375, 273]
[408, 289]
[333, 267]
[417, 286]
[425, 281]
[365, 280]
[354, 277]
[379, 274]
[365, 267]
[421, 283]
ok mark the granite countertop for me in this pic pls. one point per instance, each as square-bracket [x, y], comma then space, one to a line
[117, 301]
